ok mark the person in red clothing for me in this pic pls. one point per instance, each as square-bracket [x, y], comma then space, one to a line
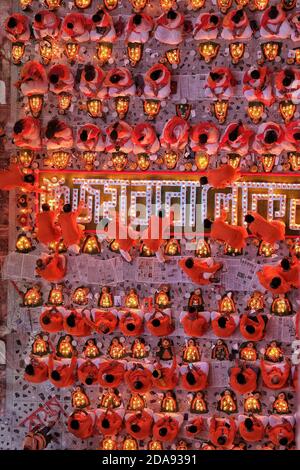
[253, 327]
[252, 429]
[242, 379]
[194, 427]
[52, 268]
[139, 380]
[81, 424]
[166, 429]
[290, 271]
[165, 378]
[224, 325]
[27, 133]
[196, 378]
[72, 232]
[46, 24]
[33, 79]
[17, 28]
[103, 323]
[47, 230]
[109, 423]
[58, 135]
[75, 324]
[157, 232]
[199, 271]
[76, 28]
[220, 83]
[281, 434]
[63, 375]
[221, 177]
[157, 82]
[139, 424]
[13, 178]
[275, 376]
[87, 373]
[61, 79]
[268, 231]
[91, 82]
[195, 323]
[36, 372]
[111, 373]
[236, 139]
[51, 320]
[160, 324]
[131, 324]
[222, 432]
[233, 235]
[123, 234]
[282, 278]
[175, 134]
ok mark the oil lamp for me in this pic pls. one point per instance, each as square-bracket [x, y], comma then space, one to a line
[79, 398]
[119, 160]
[287, 110]
[116, 350]
[227, 403]
[230, 251]
[104, 52]
[114, 246]
[132, 299]
[270, 50]
[236, 50]
[138, 5]
[208, 51]
[109, 443]
[94, 108]
[72, 50]
[110, 4]
[268, 162]
[266, 249]
[33, 297]
[64, 101]
[162, 297]
[17, 52]
[273, 352]
[241, 3]
[255, 111]
[35, 105]
[139, 349]
[155, 445]
[151, 108]
[58, 160]
[297, 55]
[248, 352]
[122, 106]
[281, 405]
[252, 404]
[198, 404]
[91, 245]
[169, 403]
[130, 443]
[136, 402]
[91, 349]
[145, 251]
[25, 4]
[260, 4]
[80, 295]
[110, 399]
[183, 110]
[60, 247]
[294, 160]
[220, 110]
[201, 160]
[226, 304]
[288, 4]
[40, 346]
[256, 301]
[234, 159]
[167, 5]
[173, 56]
[182, 445]
[191, 352]
[170, 159]
[281, 306]
[224, 5]
[46, 51]
[134, 52]
[56, 296]
[203, 249]
[295, 248]
[89, 160]
[64, 347]
[195, 4]
[23, 244]
[143, 161]
[53, 4]
[106, 298]
[25, 158]
[172, 247]
[82, 4]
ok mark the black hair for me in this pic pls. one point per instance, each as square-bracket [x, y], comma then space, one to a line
[270, 136]
[233, 135]
[215, 76]
[54, 77]
[283, 441]
[203, 138]
[29, 369]
[236, 18]
[240, 378]
[105, 423]
[70, 25]
[67, 208]
[19, 126]
[171, 15]
[137, 19]
[248, 424]
[273, 12]
[29, 178]
[276, 282]
[192, 428]
[222, 440]
[138, 385]
[207, 223]
[109, 378]
[46, 320]
[214, 19]
[71, 320]
[53, 126]
[163, 432]
[114, 135]
[84, 135]
[250, 329]
[189, 263]
[190, 378]
[130, 326]
[115, 78]
[255, 74]
[55, 375]
[38, 17]
[45, 207]
[98, 16]
[89, 72]
[135, 427]
[12, 22]
[203, 180]
[249, 218]
[285, 264]
[156, 74]
[89, 380]
[297, 136]
[155, 322]
[74, 424]
[222, 322]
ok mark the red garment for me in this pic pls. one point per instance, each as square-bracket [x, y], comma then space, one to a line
[194, 380]
[55, 270]
[88, 373]
[194, 428]
[12, 178]
[223, 176]
[222, 432]
[75, 324]
[61, 79]
[160, 324]
[282, 434]
[46, 24]
[51, 320]
[111, 373]
[81, 424]
[105, 322]
[33, 79]
[175, 133]
[195, 324]
[252, 429]
[253, 328]
[199, 271]
[158, 231]
[233, 235]
[271, 278]
[275, 376]
[17, 28]
[139, 380]
[165, 378]
[63, 375]
[139, 425]
[131, 324]
[116, 230]
[109, 423]
[165, 429]
[267, 231]
[71, 232]
[223, 326]
[47, 230]
[236, 138]
[27, 133]
[36, 372]
[243, 379]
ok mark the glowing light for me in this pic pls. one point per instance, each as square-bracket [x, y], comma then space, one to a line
[17, 52]
[56, 296]
[58, 160]
[270, 50]
[53, 4]
[106, 299]
[273, 353]
[35, 105]
[172, 247]
[268, 162]
[143, 161]
[33, 297]
[237, 50]
[281, 405]
[155, 445]
[132, 299]
[40, 346]
[255, 111]
[122, 106]
[170, 159]
[203, 249]
[230, 251]
[110, 4]
[104, 52]
[130, 443]
[138, 350]
[64, 347]
[72, 51]
[89, 160]
[64, 102]
[294, 160]
[173, 56]
[162, 299]
[82, 4]
[23, 244]
[196, 4]
[167, 5]
[25, 158]
[256, 301]
[46, 51]
[261, 4]
[79, 399]
[25, 4]
[224, 5]
[220, 109]
[80, 295]
[169, 403]
[227, 403]
[287, 110]
[134, 52]
[109, 444]
[266, 249]
[252, 405]
[119, 160]
[226, 304]
[94, 108]
[281, 306]
[234, 160]
[91, 245]
[138, 5]
[208, 51]
[191, 353]
[151, 108]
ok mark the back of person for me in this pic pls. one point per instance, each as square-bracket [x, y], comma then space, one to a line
[69, 227]
[34, 441]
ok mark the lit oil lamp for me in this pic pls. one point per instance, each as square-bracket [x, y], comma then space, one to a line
[182, 445]
[273, 352]
[122, 106]
[82, 4]
[72, 50]
[230, 251]
[172, 247]
[145, 251]
[33, 297]
[91, 245]
[23, 244]
[227, 402]
[79, 398]
[56, 296]
[80, 295]
[162, 297]
[220, 110]
[294, 160]
[226, 304]
[255, 111]
[40, 346]
[268, 162]
[270, 50]
[94, 108]
[130, 443]
[46, 51]
[208, 51]
[155, 445]
[116, 349]
[132, 299]
[195, 4]
[256, 301]
[104, 52]
[109, 443]
[169, 403]
[203, 249]
[167, 5]
[119, 160]
[260, 4]
[248, 352]
[252, 404]
[60, 247]
[151, 108]
[91, 350]
[110, 4]
[64, 347]
[281, 405]
[17, 52]
[138, 5]
[297, 56]
[143, 161]
[201, 160]
[173, 56]
[134, 52]
[224, 5]
[58, 160]
[242, 3]
[24, 4]
[35, 105]
[266, 249]
[236, 50]
[110, 399]
[295, 248]
[25, 158]
[234, 159]
[170, 159]
[139, 349]
[64, 101]
[191, 352]
[287, 110]
[53, 4]
[106, 298]
[281, 306]
[89, 159]
[198, 404]
[114, 246]
[136, 402]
